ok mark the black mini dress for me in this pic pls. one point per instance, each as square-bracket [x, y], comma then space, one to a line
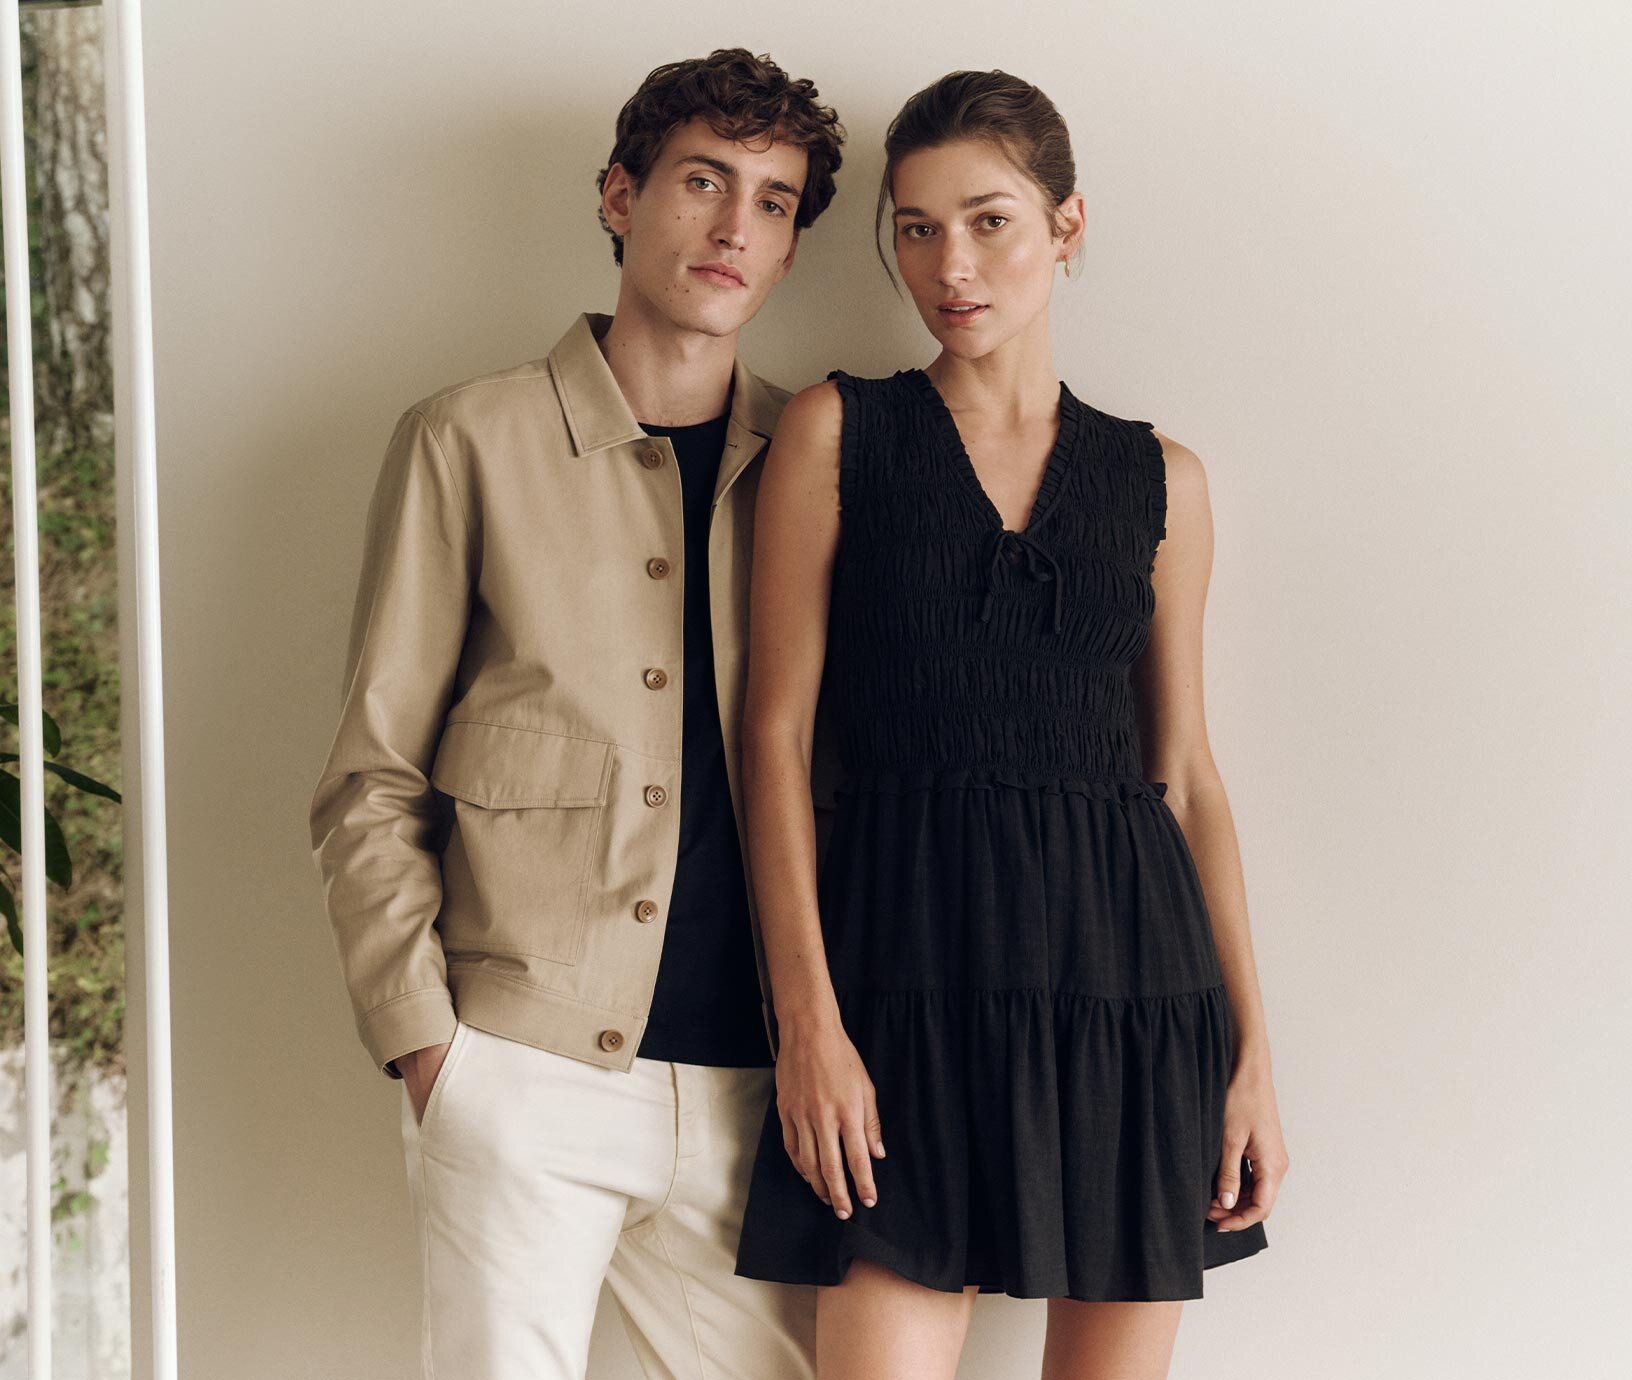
[1014, 924]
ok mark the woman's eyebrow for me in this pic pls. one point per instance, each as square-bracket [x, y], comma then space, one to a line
[968, 202]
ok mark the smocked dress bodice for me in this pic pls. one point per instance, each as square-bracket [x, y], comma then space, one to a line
[960, 645]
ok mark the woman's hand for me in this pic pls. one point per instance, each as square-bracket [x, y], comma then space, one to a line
[829, 1113]
[1252, 1127]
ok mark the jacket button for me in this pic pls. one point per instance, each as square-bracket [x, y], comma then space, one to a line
[656, 678]
[655, 796]
[646, 912]
[657, 567]
[611, 1039]
[651, 458]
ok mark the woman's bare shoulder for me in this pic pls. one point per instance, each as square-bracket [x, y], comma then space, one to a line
[1179, 456]
[817, 407]
[810, 425]
[1186, 475]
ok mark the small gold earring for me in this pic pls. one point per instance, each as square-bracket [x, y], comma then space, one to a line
[1067, 263]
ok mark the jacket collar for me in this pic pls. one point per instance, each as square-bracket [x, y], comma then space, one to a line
[598, 415]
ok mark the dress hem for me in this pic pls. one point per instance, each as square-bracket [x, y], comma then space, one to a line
[863, 1245]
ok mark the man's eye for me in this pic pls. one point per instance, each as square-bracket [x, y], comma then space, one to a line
[698, 177]
[775, 206]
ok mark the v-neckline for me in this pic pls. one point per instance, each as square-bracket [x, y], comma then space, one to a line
[1054, 470]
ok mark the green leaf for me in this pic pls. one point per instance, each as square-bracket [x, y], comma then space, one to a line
[88, 784]
[8, 903]
[58, 866]
[48, 727]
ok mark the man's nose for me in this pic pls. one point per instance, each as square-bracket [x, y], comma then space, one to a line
[732, 226]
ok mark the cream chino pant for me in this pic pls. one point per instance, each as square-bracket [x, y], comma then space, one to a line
[535, 1177]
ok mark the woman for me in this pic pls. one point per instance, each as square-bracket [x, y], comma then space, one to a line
[1007, 968]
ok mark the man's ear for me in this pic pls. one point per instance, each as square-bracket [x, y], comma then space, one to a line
[617, 194]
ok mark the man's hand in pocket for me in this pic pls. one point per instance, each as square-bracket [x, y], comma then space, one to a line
[419, 1071]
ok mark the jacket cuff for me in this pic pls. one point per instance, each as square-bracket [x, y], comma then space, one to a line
[407, 1023]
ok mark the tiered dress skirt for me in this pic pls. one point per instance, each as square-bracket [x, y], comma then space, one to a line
[1025, 965]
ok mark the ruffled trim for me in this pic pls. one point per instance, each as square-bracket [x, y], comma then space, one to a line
[883, 780]
[1055, 472]
[849, 440]
[1154, 463]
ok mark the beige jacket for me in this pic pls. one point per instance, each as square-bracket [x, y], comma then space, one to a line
[498, 821]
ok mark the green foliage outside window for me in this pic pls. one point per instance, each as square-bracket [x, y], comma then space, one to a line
[63, 111]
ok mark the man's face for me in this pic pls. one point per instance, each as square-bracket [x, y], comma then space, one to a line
[709, 206]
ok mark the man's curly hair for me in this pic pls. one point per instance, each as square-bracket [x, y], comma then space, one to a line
[742, 97]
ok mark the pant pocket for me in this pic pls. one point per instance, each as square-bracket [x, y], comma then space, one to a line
[450, 1066]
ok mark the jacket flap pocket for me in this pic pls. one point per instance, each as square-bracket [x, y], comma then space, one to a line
[505, 768]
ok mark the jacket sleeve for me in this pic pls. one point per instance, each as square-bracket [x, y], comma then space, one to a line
[374, 816]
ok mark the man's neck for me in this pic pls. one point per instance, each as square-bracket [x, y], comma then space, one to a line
[668, 377]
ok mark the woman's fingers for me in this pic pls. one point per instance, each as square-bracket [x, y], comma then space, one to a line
[828, 1128]
[1267, 1175]
[1254, 1209]
[833, 1168]
[856, 1142]
[809, 1159]
[1229, 1167]
[875, 1130]
[1267, 1164]
[794, 1143]
[790, 1138]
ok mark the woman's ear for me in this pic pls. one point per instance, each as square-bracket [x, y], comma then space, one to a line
[1072, 219]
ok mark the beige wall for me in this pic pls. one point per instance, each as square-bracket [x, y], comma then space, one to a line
[1369, 261]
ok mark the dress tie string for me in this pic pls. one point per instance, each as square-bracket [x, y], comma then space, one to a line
[1039, 564]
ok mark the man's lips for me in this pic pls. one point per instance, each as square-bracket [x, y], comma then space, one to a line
[721, 275]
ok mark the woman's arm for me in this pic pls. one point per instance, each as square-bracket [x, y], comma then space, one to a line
[1173, 728]
[825, 1098]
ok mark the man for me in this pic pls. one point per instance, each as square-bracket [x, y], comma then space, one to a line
[528, 824]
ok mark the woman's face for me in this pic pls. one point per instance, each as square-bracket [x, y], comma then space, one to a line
[971, 228]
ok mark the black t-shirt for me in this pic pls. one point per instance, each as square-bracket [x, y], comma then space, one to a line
[706, 1008]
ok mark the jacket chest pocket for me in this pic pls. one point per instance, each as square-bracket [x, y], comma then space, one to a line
[528, 810]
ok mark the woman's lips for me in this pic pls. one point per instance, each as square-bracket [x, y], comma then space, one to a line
[725, 280]
[956, 317]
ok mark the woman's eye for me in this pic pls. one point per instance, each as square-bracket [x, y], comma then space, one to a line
[908, 229]
[995, 216]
